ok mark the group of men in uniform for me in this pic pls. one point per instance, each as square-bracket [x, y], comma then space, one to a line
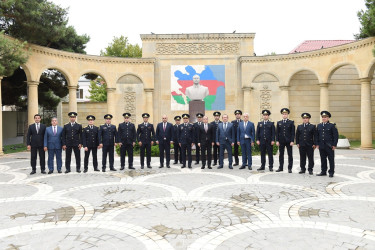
[210, 141]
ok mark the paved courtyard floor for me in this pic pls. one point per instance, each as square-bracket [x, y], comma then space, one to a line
[189, 208]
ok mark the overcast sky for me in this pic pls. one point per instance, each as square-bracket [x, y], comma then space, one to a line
[279, 25]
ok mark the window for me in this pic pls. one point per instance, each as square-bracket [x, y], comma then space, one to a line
[79, 93]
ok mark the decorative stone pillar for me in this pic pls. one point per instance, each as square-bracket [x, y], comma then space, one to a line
[366, 119]
[324, 96]
[32, 100]
[284, 96]
[247, 100]
[1, 121]
[111, 106]
[72, 99]
[149, 102]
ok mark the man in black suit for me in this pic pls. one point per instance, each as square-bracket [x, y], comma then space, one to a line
[35, 143]
[285, 133]
[206, 141]
[305, 140]
[265, 136]
[196, 130]
[126, 139]
[90, 143]
[176, 145]
[107, 141]
[145, 136]
[71, 140]
[215, 123]
[164, 138]
[236, 122]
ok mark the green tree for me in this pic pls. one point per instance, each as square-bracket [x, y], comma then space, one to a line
[120, 47]
[12, 54]
[367, 20]
[98, 90]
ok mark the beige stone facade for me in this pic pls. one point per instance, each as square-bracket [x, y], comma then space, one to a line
[338, 79]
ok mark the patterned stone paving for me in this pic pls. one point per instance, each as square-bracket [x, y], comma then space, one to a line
[189, 208]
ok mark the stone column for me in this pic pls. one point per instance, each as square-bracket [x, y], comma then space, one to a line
[284, 96]
[72, 99]
[324, 96]
[1, 121]
[149, 102]
[247, 100]
[32, 100]
[366, 119]
[111, 106]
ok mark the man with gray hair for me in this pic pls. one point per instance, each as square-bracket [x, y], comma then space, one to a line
[53, 143]
[246, 138]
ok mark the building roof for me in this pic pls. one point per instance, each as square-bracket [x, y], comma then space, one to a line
[310, 45]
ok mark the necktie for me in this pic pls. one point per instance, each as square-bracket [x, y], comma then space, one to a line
[205, 127]
[37, 128]
[225, 126]
[54, 130]
[91, 126]
[245, 125]
[164, 127]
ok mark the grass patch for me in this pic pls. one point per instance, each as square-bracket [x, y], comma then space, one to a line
[357, 143]
[8, 149]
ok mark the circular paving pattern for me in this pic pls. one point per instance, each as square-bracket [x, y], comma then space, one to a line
[189, 208]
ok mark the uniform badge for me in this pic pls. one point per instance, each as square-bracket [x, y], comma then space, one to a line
[260, 125]
[88, 130]
[105, 128]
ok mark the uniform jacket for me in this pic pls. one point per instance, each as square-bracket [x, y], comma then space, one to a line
[249, 131]
[186, 133]
[33, 138]
[206, 137]
[235, 124]
[265, 132]
[305, 135]
[90, 137]
[224, 136]
[167, 134]
[145, 134]
[196, 130]
[215, 128]
[126, 133]
[285, 132]
[107, 135]
[52, 141]
[72, 134]
[326, 135]
[175, 133]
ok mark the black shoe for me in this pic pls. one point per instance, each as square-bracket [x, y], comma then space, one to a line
[59, 171]
[214, 164]
[161, 166]
[85, 170]
[203, 167]
[209, 167]
[219, 167]
[50, 172]
[131, 167]
[174, 163]
[321, 174]
[230, 167]
[189, 166]
[142, 166]
[271, 169]
[43, 172]
[32, 172]
[103, 169]
[250, 168]
[243, 167]
[289, 171]
[330, 175]
[122, 168]
[149, 166]
[261, 169]
[301, 172]
[112, 169]
[235, 164]
[67, 171]
[196, 163]
[96, 169]
[279, 170]
[168, 166]
[78, 171]
[311, 172]
[183, 166]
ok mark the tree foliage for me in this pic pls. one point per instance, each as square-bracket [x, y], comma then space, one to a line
[367, 20]
[98, 90]
[120, 47]
[12, 54]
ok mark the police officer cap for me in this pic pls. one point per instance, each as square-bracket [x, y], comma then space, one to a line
[285, 110]
[177, 118]
[199, 115]
[306, 115]
[72, 114]
[185, 116]
[217, 113]
[266, 112]
[238, 112]
[126, 115]
[108, 116]
[145, 115]
[90, 117]
[325, 113]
